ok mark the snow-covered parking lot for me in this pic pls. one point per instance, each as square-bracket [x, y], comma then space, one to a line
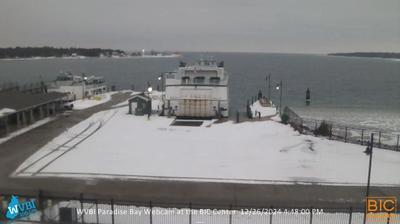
[113, 144]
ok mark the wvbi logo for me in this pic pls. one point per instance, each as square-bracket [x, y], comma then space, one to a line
[18, 209]
[381, 208]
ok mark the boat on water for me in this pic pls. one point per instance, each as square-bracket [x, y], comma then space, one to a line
[197, 91]
[78, 86]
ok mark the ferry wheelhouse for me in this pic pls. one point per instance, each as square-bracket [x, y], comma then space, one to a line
[197, 91]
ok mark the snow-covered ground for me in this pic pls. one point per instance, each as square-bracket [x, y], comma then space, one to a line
[256, 107]
[113, 144]
[93, 101]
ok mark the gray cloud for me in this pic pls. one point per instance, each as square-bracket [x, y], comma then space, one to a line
[300, 26]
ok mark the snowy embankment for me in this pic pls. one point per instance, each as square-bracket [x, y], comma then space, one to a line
[93, 101]
[113, 144]
[265, 111]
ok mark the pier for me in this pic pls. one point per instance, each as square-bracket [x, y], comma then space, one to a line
[21, 109]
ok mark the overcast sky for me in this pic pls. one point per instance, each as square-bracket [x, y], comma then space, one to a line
[291, 26]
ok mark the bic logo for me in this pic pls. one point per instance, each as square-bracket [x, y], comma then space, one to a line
[381, 205]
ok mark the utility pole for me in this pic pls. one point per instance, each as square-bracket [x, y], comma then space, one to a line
[369, 151]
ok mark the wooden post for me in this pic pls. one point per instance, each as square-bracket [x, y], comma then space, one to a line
[6, 125]
[32, 116]
[53, 107]
[18, 120]
[23, 119]
[237, 116]
[48, 109]
[41, 112]
[362, 137]
[379, 139]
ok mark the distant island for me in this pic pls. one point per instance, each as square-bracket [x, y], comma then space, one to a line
[370, 54]
[52, 52]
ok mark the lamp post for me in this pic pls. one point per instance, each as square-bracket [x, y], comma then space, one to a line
[280, 87]
[162, 79]
[149, 107]
[368, 151]
[149, 88]
[84, 78]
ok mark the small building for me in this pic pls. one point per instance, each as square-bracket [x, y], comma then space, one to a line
[20, 109]
[140, 104]
[78, 86]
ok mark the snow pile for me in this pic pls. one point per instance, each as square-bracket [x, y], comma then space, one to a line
[256, 107]
[96, 100]
[5, 111]
[248, 152]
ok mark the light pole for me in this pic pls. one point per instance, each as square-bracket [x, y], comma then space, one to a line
[84, 78]
[149, 88]
[368, 151]
[149, 107]
[162, 79]
[280, 87]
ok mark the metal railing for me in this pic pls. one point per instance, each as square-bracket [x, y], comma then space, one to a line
[356, 135]
[351, 134]
[85, 210]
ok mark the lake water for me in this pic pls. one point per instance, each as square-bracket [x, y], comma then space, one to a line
[357, 91]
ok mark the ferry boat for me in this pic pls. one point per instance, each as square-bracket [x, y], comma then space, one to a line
[78, 86]
[197, 91]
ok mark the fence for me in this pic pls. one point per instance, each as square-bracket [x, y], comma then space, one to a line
[357, 135]
[84, 210]
[294, 120]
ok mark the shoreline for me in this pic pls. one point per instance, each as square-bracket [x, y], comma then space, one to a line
[85, 57]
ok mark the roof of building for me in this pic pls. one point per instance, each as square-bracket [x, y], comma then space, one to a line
[140, 96]
[18, 101]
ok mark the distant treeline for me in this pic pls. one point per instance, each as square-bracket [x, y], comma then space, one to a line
[369, 54]
[29, 52]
